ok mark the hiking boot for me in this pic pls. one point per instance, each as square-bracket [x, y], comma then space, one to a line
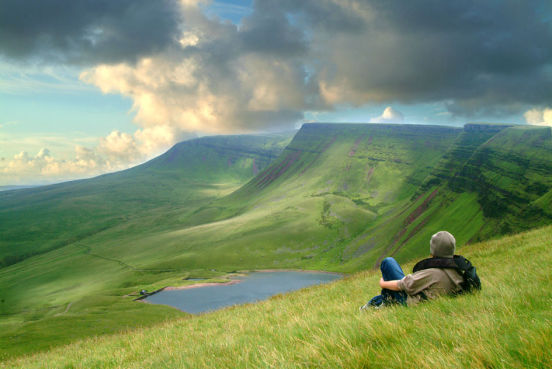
[375, 303]
[368, 306]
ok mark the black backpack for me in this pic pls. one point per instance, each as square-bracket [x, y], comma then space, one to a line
[460, 263]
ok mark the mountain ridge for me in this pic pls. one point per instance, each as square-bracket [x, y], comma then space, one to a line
[114, 198]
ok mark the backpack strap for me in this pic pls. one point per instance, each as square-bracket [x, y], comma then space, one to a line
[440, 263]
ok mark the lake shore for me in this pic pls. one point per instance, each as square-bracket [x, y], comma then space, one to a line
[292, 270]
[198, 285]
[242, 273]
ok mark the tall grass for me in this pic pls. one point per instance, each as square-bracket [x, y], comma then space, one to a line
[506, 325]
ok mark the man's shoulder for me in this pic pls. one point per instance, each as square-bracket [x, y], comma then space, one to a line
[437, 273]
[424, 276]
[428, 271]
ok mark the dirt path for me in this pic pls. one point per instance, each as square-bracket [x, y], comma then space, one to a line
[88, 251]
[66, 309]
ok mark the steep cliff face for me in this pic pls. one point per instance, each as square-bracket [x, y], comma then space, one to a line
[495, 179]
[454, 160]
[512, 176]
[335, 184]
[355, 157]
[509, 168]
[384, 189]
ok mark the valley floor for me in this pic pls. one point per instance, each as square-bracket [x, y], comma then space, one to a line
[507, 325]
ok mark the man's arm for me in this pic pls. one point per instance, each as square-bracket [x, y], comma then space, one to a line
[390, 285]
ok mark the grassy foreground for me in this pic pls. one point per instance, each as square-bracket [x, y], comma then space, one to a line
[508, 324]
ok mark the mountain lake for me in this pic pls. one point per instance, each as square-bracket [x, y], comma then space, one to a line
[254, 287]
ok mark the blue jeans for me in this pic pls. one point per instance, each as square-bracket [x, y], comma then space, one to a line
[390, 271]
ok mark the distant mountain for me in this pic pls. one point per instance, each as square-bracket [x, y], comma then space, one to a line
[39, 219]
[9, 188]
[360, 190]
[333, 186]
[350, 195]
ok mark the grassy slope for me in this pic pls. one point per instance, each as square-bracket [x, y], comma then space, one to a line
[36, 220]
[508, 324]
[342, 197]
[511, 175]
[74, 290]
[494, 180]
[314, 200]
[433, 207]
[329, 184]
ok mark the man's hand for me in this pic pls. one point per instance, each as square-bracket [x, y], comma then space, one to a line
[390, 285]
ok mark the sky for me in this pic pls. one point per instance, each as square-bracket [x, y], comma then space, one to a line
[94, 86]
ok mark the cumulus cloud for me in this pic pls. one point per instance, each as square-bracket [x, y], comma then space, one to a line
[539, 117]
[389, 115]
[219, 79]
[119, 146]
[24, 168]
[116, 151]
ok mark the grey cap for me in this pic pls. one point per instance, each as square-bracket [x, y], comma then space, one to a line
[442, 245]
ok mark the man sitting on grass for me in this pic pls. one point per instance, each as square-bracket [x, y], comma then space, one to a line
[443, 273]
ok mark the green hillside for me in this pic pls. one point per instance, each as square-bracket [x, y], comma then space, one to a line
[36, 220]
[59, 286]
[494, 180]
[330, 184]
[506, 325]
[339, 197]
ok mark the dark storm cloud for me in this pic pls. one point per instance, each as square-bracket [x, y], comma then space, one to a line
[86, 31]
[270, 31]
[329, 15]
[480, 56]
